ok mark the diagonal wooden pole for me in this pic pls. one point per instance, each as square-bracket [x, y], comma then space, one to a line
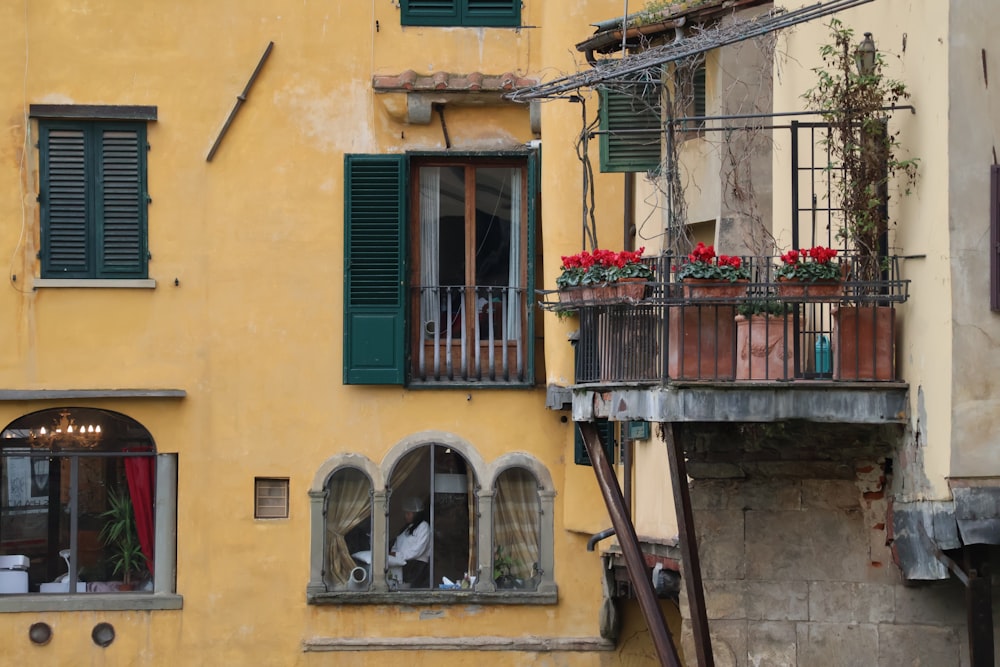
[639, 573]
[689, 545]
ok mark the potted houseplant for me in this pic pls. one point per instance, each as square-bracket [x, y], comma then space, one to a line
[810, 272]
[853, 94]
[121, 538]
[706, 274]
[764, 340]
[701, 334]
[603, 275]
[503, 569]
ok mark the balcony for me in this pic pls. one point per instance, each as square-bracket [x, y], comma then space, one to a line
[760, 353]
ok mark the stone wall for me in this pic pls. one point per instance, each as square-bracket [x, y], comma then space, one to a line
[796, 562]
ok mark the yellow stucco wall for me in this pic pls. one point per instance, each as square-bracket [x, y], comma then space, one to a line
[920, 220]
[246, 317]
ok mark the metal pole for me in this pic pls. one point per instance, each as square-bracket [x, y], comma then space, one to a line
[689, 545]
[639, 573]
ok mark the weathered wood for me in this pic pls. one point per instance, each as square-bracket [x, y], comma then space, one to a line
[466, 643]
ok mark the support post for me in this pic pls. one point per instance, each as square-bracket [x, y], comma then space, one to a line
[639, 573]
[689, 545]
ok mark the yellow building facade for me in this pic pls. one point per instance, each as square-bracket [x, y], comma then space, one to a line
[187, 245]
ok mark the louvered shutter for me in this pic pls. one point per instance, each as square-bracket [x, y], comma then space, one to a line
[121, 202]
[606, 429]
[496, 13]
[431, 12]
[64, 176]
[374, 269]
[630, 128]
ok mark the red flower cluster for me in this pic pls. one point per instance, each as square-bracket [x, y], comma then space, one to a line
[703, 263]
[796, 265]
[602, 266]
[818, 254]
[602, 258]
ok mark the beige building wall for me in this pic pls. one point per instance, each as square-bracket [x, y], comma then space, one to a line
[914, 45]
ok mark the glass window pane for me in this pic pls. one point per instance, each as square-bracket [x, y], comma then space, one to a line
[349, 530]
[431, 527]
[516, 530]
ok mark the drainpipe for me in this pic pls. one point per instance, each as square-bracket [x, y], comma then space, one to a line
[597, 537]
[635, 563]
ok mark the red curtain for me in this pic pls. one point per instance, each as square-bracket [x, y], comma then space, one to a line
[141, 474]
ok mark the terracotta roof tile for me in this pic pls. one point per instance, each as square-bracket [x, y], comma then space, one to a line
[447, 81]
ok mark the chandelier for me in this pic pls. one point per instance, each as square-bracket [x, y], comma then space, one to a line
[65, 431]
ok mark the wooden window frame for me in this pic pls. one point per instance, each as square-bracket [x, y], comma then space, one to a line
[469, 164]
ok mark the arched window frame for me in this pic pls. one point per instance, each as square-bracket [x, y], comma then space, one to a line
[317, 591]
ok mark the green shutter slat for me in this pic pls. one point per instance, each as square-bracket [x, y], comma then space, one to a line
[430, 12]
[492, 13]
[64, 215]
[606, 429]
[698, 84]
[471, 13]
[630, 129]
[374, 269]
[122, 203]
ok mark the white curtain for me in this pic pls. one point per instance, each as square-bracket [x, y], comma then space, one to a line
[430, 243]
[514, 275]
[517, 520]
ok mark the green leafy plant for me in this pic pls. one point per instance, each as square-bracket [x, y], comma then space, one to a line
[763, 307]
[120, 535]
[855, 100]
[809, 265]
[703, 263]
[503, 568]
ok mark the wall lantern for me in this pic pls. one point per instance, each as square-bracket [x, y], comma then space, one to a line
[864, 56]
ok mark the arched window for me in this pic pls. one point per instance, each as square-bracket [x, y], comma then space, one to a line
[517, 530]
[77, 510]
[348, 530]
[431, 523]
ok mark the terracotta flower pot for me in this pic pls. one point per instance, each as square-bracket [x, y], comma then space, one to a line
[764, 347]
[703, 288]
[864, 343]
[701, 342]
[825, 289]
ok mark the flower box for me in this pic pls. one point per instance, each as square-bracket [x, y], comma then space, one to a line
[819, 289]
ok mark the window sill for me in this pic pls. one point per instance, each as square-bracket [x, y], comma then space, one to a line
[433, 598]
[128, 283]
[90, 602]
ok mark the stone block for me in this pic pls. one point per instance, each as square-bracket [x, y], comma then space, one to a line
[849, 602]
[725, 599]
[772, 495]
[815, 545]
[830, 494]
[714, 494]
[938, 603]
[777, 601]
[729, 643]
[837, 644]
[918, 645]
[772, 643]
[720, 544]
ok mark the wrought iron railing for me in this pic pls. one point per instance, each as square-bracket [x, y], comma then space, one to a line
[469, 334]
[758, 333]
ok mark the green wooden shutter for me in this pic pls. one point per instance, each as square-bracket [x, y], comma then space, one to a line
[473, 13]
[64, 176]
[698, 91]
[606, 429]
[431, 12]
[630, 128]
[374, 269]
[492, 13]
[534, 255]
[121, 203]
